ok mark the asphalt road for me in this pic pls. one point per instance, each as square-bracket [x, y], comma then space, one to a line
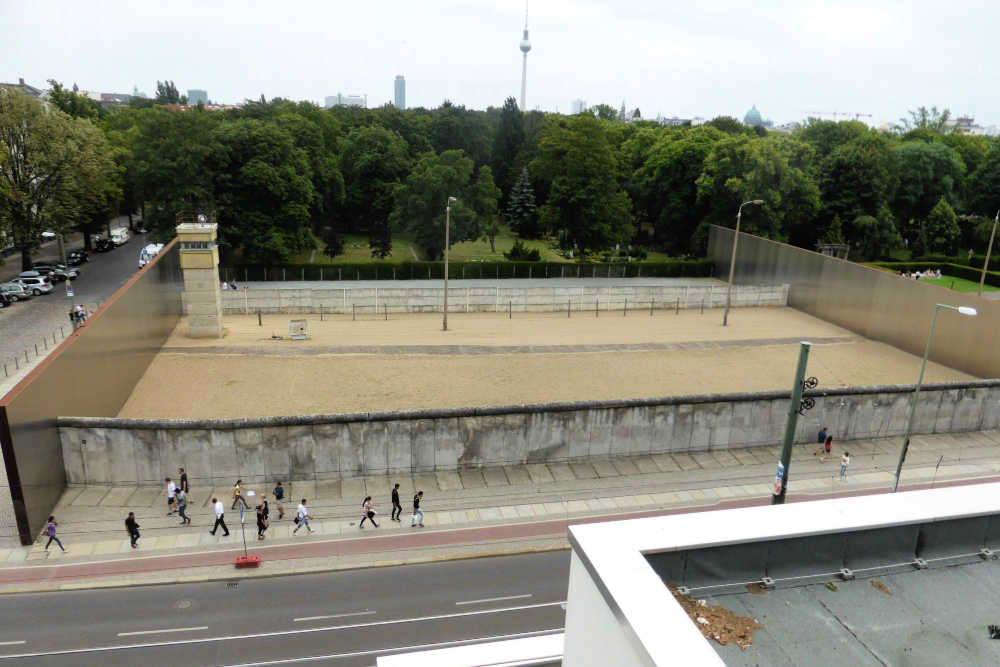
[345, 618]
[26, 324]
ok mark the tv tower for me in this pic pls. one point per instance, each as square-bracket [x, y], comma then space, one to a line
[525, 47]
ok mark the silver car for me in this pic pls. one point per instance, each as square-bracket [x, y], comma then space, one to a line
[35, 284]
[15, 291]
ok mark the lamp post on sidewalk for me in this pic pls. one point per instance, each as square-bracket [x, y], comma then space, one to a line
[989, 249]
[964, 310]
[447, 218]
[732, 260]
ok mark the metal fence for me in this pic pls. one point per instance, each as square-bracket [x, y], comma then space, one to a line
[40, 348]
[597, 301]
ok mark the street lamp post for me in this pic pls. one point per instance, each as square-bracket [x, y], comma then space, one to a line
[989, 249]
[732, 260]
[447, 225]
[964, 310]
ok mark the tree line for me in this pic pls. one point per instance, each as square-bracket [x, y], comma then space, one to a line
[284, 177]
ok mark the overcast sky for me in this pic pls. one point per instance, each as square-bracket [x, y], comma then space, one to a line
[792, 58]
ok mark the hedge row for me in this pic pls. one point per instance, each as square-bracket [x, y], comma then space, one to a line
[686, 268]
[946, 268]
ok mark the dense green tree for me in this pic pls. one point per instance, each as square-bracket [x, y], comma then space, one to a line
[604, 112]
[457, 128]
[924, 118]
[729, 125]
[984, 185]
[484, 198]
[586, 207]
[827, 135]
[742, 168]
[74, 104]
[420, 201]
[872, 237]
[48, 161]
[507, 145]
[664, 187]
[521, 212]
[858, 177]
[262, 190]
[939, 231]
[166, 93]
[927, 172]
[374, 161]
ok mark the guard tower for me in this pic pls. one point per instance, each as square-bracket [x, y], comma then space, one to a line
[196, 234]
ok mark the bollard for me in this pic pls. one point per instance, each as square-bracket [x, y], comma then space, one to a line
[386, 307]
[569, 307]
[5, 370]
[61, 332]
[320, 312]
[510, 310]
[17, 366]
[597, 307]
[36, 349]
[703, 305]
[354, 311]
[625, 308]
[259, 323]
[26, 356]
[650, 307]
[45, 342]
[677, 309]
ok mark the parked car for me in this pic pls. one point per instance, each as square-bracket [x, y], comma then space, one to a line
[48, 236]
[15, 291]
[119, 236]
[77, 257]
[37, 284]
[58, 272]
[148, 253]
[104, 245]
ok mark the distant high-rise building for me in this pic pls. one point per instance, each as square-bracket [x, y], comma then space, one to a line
[578, 106]
[195, 96]
[525, 47]
[339, 100]
[400, 92]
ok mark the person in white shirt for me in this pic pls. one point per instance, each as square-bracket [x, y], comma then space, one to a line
[171, 492]
[220, 512]
[845, 461]
[302, 517]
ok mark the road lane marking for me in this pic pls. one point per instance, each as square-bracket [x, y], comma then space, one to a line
[322, 618]
[500, 599]
[157, 632]
[404, 649]
[280, 633]
[18, 642]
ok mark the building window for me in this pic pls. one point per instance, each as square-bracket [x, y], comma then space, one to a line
[197, 245]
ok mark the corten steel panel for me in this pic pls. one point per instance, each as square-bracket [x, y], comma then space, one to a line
[91, 373]
[874, 303]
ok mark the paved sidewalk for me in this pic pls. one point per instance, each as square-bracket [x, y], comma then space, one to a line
[474, 512]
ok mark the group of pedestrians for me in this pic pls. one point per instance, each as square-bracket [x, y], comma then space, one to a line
[826, 447]
[368, 509]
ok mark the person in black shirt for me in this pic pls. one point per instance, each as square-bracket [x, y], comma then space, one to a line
[184, 480]
[133, 528]
[417, 511]
[279, 498]
[397, 509]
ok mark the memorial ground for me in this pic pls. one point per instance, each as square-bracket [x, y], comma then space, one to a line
[407, 362]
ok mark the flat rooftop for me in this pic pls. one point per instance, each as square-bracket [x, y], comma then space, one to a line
[937, 616]
[407, 362]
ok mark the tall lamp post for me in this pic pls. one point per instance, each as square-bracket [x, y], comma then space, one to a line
[989, 249]
[732, 260]
[964, 310]
[447, 225]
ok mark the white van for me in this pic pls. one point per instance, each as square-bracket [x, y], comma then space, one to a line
[119, 236]
[148, 253]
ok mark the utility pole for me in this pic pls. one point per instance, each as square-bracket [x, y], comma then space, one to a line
[794, 407]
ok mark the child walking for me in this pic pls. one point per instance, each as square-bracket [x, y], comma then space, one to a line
[845, 461]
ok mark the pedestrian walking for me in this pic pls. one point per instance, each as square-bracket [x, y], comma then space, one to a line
[827, 448]
[50, 530]
[845, 461]
[279, 499]
[261, 522]
[182, 503]
[184, 480]
[238, 495]
[821, 436]
[132, 526]
[220, 513]
[171, 493]
[367, 512]
[302, 517]
[416, 510]
[397, 509]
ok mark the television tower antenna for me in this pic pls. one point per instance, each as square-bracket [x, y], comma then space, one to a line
[525, 47]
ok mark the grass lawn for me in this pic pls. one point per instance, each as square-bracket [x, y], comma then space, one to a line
[356, 251]
[959, 284]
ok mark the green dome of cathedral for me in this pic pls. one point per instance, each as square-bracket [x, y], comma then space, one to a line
[753, 117]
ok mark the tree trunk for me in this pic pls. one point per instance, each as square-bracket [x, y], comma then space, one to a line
[493, 240]
[131, 225]
[25, 259]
